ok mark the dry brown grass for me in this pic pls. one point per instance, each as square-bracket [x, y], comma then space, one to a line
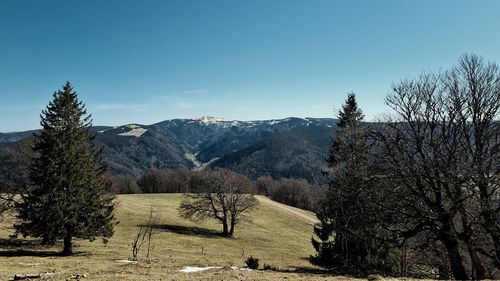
[274, 236]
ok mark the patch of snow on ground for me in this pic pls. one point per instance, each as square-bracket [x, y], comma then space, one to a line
[126, 261]
[191, 269]
[135, 132]
[241, 268]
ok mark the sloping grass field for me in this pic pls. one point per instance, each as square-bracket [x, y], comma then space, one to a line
[276, 235]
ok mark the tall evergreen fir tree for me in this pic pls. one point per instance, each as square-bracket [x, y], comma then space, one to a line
[68, 197]
[348, 216]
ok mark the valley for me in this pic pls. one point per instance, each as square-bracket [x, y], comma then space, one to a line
[290, 147]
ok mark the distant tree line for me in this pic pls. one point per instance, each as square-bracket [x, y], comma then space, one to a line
[294, 192]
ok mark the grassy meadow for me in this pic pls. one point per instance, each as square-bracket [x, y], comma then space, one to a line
[276, 235]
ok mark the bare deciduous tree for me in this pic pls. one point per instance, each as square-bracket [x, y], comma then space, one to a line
[14, 163]
[293, 192]
[440, 150]
[474, 88]
[144, 234]
[165, 181]
[222, 196]
[5, 204]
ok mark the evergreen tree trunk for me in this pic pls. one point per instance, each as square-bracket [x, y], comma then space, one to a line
[68, 245]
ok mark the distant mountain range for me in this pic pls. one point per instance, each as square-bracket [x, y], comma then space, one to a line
[291, 147]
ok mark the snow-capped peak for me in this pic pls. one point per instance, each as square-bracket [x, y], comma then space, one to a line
[210, 120]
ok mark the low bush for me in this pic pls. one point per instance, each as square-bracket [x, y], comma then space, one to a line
[252, 263]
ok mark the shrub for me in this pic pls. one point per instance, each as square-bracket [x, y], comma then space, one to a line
[252, 263]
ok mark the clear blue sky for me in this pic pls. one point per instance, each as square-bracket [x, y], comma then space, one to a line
[147, 61]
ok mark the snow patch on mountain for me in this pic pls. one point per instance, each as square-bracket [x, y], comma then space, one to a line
[192, 157]
[204, 165]
[198, 166]
[274, 122]
[136, 131]
[210, 120]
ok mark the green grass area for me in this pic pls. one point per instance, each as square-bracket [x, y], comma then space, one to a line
[273, 235]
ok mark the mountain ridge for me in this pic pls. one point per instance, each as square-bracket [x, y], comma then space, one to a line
[291, 147]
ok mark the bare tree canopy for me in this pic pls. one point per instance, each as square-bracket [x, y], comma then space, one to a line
[14, 163]
[440, 150]
[222, 195]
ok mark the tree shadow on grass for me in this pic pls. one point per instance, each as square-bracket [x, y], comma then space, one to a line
[29, 253]
[313, 270]
[307, 269]
[189, 230]
[14, 247]
[37, 253]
